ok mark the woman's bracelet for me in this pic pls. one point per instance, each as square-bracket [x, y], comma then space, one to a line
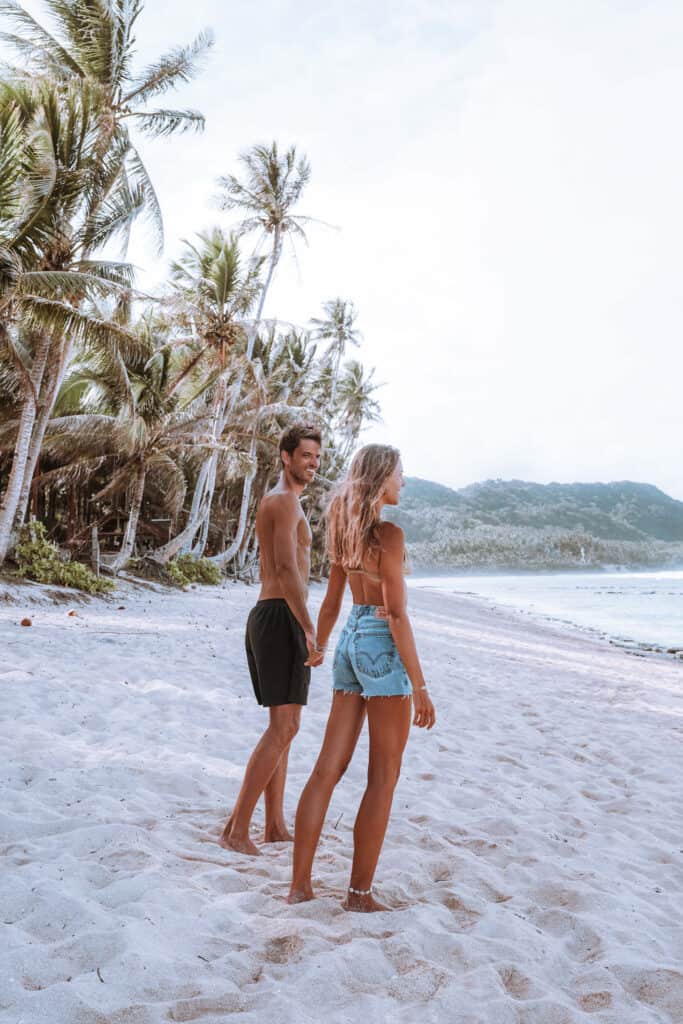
[419, 688]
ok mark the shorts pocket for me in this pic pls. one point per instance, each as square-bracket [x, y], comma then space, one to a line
[376, 656]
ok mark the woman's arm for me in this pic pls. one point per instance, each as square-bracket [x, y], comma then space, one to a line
[394, 595]
[330, 608]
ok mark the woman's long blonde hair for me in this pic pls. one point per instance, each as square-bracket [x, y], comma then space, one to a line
[353, 514]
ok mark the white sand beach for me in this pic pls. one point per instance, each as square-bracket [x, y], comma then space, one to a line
[534, 855]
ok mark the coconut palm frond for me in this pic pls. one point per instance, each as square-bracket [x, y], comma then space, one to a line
[159, 123]
[60, 319]
[12, 143]
[178, 65]
[77, 285]
[45, 47]
[118, 273]
[77, 471]
[115, 217]
[167, 476]
[140, 177]
[120, 480]
[91, 434]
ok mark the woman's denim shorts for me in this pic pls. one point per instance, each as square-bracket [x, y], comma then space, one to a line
[366, 661]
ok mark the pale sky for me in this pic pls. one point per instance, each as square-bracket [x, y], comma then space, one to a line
[506, 177]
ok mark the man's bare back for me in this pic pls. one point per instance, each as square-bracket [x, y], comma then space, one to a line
[277, 508]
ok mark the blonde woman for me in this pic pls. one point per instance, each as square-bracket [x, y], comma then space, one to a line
[376, 670]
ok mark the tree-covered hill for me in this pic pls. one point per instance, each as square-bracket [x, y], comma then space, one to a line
[518, 524]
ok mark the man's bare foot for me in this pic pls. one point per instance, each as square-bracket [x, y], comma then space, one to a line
[278, 835]
[301, 895]
[241, 844]
[362, 904]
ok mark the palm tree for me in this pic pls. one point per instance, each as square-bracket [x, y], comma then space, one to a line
[45, 277]
[124, 416]
[272, 187]
[213, 293]
[92, 186]
[281, 370]
[358, 407]
[338, 327]
[94, 45]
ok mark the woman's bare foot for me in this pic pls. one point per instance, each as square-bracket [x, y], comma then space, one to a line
[241, 844]
[281, 834]
[301, 895]
[365, 904]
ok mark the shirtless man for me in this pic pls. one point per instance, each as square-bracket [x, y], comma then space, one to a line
[280, 638]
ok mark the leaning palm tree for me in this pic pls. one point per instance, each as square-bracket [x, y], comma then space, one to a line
[338, 328]
[213, 292]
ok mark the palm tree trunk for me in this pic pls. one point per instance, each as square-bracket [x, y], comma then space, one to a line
[226, 556]
[197, 499]
[251, 340]
[335, 379]
[230, 552]
[199, 547]
[45, 405]
[10, 499]
[133, 519]
[274, 260]
[164, 554]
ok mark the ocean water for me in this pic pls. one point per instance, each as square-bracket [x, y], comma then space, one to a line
[635, 607]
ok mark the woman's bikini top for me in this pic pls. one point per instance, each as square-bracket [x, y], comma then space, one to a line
[364, 572]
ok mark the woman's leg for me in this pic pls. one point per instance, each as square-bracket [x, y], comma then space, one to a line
[389, 725]
[341, 735]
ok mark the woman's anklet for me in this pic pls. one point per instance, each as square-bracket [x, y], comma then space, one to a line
[360, 892]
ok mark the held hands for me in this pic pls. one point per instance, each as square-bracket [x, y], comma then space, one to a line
[315, 656]
[425, 715]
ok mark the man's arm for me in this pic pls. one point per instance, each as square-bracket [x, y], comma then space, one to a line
[331, 606]
[286, 515]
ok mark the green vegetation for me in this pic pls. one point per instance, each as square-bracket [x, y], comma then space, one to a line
[154, 419]
[518, 525]
[186, 569]
[38, 559]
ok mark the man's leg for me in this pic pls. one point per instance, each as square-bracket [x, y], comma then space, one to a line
[283, 727]
[276, 830]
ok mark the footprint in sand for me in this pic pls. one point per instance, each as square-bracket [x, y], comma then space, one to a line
[283, 949]
[416, 981]
[660, 988]
[195, 1009]
[515, 983]
[465, 917]
[581, 942]
[558, 896]
[592, 1002]
[440, 871]
[546, 1012]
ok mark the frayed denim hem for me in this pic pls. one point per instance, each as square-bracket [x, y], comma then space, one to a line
[371, 696]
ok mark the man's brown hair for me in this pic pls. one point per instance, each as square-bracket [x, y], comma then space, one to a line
[298, 432]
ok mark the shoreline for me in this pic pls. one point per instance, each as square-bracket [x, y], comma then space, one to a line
[636, 647]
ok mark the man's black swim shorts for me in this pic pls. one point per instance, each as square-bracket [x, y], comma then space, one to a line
[276, 652]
